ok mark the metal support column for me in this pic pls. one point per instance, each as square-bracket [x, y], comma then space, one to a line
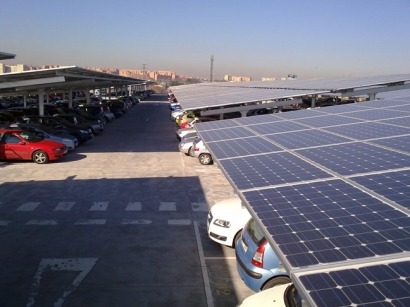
[41, 102]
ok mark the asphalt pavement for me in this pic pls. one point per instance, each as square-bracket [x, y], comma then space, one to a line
[121, 221]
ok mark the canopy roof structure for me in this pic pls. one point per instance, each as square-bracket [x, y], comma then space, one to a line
[229, 94]
[330, 187]
[59, 79]
[6, 56]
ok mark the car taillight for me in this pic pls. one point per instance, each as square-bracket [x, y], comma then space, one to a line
[257, 259]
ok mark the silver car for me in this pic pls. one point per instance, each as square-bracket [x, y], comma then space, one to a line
[186, 146]
[202, 153]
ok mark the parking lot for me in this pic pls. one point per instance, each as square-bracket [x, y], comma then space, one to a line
[120, 221]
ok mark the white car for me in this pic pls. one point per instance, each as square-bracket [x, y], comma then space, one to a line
[272, 297]
[182, 132]
[202, 153]
[226, 220]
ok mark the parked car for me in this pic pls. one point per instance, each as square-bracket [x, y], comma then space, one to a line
[59, 123]
[182, 132]
[285, 295]
[85, 116]
[49, 133]
[202, 153]
[175, 114]
[98, 109]
[118, 107]
[81, 122]
[189, 135]
[186, 116]
[186, 146]
[191, 123]
[23, 145]
[226, 220]
[256, 262]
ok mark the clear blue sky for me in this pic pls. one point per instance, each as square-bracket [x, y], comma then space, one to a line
[257, 38]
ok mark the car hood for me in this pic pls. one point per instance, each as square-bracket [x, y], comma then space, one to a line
[229, 208]
[269, 297]
[46, 143]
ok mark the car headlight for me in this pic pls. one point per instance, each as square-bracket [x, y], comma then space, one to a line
[222, 223]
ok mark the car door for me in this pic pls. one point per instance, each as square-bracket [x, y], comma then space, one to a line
[12, 147]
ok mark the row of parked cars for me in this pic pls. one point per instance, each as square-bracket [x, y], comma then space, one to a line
[229, 223]
[189, 142]
[25, 135]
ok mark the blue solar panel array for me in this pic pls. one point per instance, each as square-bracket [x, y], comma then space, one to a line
[331, 187]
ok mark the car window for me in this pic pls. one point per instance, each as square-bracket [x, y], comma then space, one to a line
[29, 136]
[9, 138]
[255, 232]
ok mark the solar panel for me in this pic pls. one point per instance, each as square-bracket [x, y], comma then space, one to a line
[392, 185]
[305, 138]
[242, 147]
[327, 121]
[318, 223]
[269, 169]
[385, 284]
[356, 158]
[331, 189]
[369, 130]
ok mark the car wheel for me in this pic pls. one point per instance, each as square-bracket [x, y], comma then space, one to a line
[205, 159]
[40, 157]
[191, 151]
[281, 280]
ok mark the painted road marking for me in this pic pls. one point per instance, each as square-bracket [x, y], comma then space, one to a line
[99, 206]
[167, 206]
[28, 206]
[83, 265]
[91, 222]
[4, 223]
[64, 206]
[133, 206]
[135, 222]
[205, 276]
[42, 222]
[181, 222]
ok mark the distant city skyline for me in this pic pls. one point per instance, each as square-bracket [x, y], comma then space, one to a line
[261, 38]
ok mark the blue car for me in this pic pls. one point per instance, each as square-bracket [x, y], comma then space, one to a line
[256, 262]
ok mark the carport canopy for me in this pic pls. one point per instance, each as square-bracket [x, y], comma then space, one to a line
[225, 97]
[62, 79]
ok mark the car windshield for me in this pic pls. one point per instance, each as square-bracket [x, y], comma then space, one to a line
[255, 232]
[29, 136]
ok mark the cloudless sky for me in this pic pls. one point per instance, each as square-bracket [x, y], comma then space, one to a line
[256, 38]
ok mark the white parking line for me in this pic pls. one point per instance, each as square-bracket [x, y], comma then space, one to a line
[136, 206]
[181, 222]
[28, 206]
[91, 222]
[135, 222]
[42, 222]
[205, 276]
[99, 206]
[64, 206]
[167, 206]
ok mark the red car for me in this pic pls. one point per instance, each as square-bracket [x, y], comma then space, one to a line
[23, 145]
